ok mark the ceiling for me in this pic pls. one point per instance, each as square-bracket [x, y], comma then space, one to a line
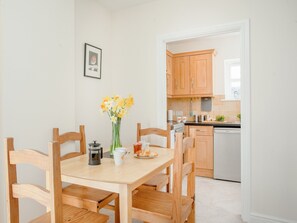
[120, 4]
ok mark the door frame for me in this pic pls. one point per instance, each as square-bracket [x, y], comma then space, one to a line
[243, 28]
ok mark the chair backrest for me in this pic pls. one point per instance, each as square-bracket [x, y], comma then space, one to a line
[183, 166]
[71, 136]
[154, 131]
[52, 198]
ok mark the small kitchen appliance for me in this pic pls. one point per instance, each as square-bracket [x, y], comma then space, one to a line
[200, 118]
[95, 153]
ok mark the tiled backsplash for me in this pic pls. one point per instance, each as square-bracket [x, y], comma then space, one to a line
[229, 109]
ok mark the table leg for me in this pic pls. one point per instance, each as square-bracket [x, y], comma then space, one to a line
[125, 204]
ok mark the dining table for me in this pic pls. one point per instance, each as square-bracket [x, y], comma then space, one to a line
[122, 179]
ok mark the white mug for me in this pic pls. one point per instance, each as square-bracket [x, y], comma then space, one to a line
[118, 155]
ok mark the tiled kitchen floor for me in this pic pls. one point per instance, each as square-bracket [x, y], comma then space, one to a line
[216, 202]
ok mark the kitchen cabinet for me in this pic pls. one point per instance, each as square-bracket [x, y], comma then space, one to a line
[201, 74]
[181, 78]
[169, 78]
[204, 149]
[192, 74]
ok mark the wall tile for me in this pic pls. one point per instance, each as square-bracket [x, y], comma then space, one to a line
[229, 109]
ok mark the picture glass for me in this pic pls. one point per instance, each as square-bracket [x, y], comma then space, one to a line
[93, 58]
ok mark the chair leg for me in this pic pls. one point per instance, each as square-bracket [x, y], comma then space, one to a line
[168, 188]
[117, 210]
[191, 218]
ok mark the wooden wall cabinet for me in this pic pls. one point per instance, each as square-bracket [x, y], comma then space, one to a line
[191, 75]
[169, 73]
[204, 149]
[181, 78]
[201, 75]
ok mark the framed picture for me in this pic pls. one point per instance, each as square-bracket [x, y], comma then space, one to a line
[93, 60]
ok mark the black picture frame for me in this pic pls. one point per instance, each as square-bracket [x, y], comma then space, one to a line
[92, 61]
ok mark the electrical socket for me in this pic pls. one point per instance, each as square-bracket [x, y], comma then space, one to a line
[179, 113]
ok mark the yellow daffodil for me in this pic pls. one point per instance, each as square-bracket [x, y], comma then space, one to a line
[121, 102]
[129, 101]
[103, 107]
[106, 99]
[116, 106]
[122, 113]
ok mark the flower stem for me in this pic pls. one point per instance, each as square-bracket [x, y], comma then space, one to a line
[116, 141]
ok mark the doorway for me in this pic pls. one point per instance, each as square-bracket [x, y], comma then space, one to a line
[243, 29]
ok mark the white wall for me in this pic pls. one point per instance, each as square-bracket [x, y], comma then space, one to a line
[93, 26]
[2, 189]
[226, 47]
[273, 80]
[37, 82]
[274, 153]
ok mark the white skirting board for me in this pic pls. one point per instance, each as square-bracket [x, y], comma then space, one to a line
[259, 218]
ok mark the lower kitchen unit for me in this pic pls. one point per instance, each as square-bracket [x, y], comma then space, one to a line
[217, 149]
[217, 169]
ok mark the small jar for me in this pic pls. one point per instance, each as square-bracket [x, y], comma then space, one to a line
[137, 147]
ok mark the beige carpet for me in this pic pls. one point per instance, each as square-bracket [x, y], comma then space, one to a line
[216, 202]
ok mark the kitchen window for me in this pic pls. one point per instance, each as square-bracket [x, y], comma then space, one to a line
[232, 79]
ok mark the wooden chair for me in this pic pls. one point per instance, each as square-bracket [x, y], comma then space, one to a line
[80, 196]
[51, 198]
[162, 179]
[158, 206]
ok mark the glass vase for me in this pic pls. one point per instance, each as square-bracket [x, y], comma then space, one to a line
[115, 141]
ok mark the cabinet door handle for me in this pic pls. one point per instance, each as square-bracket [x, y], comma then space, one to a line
[198, 130]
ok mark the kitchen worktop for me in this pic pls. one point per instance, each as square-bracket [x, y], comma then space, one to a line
[215, 124]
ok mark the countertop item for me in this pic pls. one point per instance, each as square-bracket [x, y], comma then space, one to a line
[170, 115]
[216, 124]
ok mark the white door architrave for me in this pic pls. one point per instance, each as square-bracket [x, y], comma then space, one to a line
[243, 27]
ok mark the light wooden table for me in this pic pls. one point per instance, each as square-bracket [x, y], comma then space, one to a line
[121, 179]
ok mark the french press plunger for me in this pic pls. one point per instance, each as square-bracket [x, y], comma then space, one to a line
[95, 153]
